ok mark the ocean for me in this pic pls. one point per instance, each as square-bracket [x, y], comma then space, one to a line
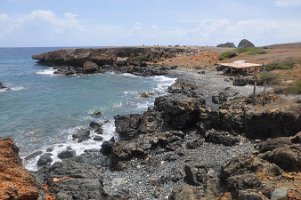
[43, 110]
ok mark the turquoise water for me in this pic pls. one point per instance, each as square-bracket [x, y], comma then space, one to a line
[43, 109]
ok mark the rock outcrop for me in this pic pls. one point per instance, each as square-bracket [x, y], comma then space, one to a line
[71, 179]
[15, 181]
[227, 45]
[277, 118]
[273, 172]
[126, 59]
[245, 44]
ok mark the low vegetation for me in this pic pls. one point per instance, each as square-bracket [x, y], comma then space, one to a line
[236, 52]
[281, 66]
[227, 55]
[266, 76]
[296, 88]
[251, 51]
[140, 58]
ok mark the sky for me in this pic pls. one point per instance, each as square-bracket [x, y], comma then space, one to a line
[58, 23]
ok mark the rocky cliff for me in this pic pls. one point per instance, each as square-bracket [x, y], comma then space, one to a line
[15, 181]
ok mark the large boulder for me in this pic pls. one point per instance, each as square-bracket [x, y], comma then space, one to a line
[151, 121]
[180, 111]
[288, 157]
[72, 179]
[45, 160]
[90, 67]
[82, 135]
[15, 181]
[245, 44]
[249, 177]
[221, 137]
[127, 126]
[183, 87]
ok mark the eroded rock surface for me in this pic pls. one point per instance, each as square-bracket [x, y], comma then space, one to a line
[15, 181]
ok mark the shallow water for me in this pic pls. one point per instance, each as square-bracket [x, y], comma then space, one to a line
[43, 109]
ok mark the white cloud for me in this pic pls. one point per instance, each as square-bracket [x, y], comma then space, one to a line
[46, 28]
[285, 3]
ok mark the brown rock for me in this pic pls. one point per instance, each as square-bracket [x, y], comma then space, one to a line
[90, 67]
[15, 181]
[185, 192]
[121, 61]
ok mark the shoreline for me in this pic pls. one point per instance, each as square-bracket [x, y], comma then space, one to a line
[187, 145]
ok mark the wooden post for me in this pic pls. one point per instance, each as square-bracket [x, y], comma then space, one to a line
[264, 92]
[254, 91]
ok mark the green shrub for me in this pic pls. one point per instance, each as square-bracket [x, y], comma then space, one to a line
[140, 58]
[251, 51]
[281, 66]
[236, 52]
[227, 55]
[296, 88]
[266, 76]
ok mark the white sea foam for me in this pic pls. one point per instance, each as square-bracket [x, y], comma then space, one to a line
[79, 148]
[17, 88]
[49, 72]
[3, 90]
[163, 83]
[12, 88]
[129, 75]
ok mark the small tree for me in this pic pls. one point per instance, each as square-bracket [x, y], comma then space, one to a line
[266, 78]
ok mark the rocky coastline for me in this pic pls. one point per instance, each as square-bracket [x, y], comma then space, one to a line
[181, 148]
[188, 145]
[135, 60]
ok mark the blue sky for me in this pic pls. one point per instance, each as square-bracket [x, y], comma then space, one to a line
[148, 22]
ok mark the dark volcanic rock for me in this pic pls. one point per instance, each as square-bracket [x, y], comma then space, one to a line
[95, 125]
[297, 138]
[288, 157]
[181, 86]
[271, 144]
[106, 148]
[227, 45]
[221, 137]
[33, 155]
[185, 192]
[73, 180]
[68, 153]
[127, 126]
[2, 86]
[180, 111]
[244, 177]
[82, 135]
[151, 121]
[220, 98]
[194, 144]
[245, 44]
[44, 160]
